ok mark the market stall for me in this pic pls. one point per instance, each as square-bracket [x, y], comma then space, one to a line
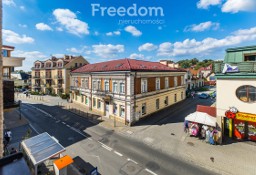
[202, 118]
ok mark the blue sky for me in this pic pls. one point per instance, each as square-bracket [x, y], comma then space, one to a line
[175, 30]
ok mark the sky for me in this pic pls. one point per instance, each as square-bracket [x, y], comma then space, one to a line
[102, 30]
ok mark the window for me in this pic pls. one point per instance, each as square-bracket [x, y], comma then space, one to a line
[82, 99]
[250, 57]
[175, 97]
[114, 108]
[75, 64]
[5, 53]
[157, 104]
[181, 95]
[81, 64]
[94, 85]
[122, 88]
[182, 80]
[143, 109]
[86, 84]
[99, 104]
[83, 85]
[158, 84]
[94, 102]
[86, 100]
[175, 81]
[99, 86]
[144, 86]
[246, 93]
[166, 101]
[122, 111]
[115, 87]
[106, 86]
[166, 82]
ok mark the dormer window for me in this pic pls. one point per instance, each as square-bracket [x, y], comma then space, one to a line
[48, 65]
[250, 57]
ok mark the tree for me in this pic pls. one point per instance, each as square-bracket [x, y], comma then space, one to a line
[1, 89]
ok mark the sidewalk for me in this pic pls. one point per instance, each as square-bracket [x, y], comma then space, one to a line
[233, 158]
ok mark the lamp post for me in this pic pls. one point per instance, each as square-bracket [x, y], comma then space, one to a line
[20, 108]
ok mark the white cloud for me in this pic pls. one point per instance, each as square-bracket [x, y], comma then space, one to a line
[96, 33]
[42, 27]
[59, 29]
[23, 25]
[9, 2]
[160, 28]
[192, 46]
[113, 33]
[69, 20]
[202, 26]
[147, 47]
[133, 30]
[12, 37]
[204, 4]
[109, 50]
[234, 6]
[30, 58]
[23, 8]
[75, 50]
[137, 56]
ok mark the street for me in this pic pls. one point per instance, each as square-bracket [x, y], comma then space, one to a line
[111, 152]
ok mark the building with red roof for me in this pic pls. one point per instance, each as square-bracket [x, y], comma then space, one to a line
[127, 89]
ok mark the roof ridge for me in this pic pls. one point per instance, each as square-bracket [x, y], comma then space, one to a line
[128, 61]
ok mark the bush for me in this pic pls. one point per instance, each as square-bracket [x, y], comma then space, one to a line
[202, 89]
[34, 93]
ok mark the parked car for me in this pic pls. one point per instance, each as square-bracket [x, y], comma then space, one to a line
[26, 92]
[213, 94]
[204, 96]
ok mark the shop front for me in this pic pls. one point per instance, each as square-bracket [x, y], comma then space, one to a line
[241, 126]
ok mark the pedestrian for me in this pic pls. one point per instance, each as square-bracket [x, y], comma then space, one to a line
[7, 136]
[13, 151]
[186, 126]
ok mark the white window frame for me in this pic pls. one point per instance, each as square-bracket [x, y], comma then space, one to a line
[99, 85]
[83, 83]
[158, 84]
[182, 80]
[115, 110]
[122, 107]
[115, 88]
[98, 104]
[175, 81]
[166, 81]
[144, 85]
[122, 88]
[86, 83]
[106, 86]
[94, 103]
[94, 85]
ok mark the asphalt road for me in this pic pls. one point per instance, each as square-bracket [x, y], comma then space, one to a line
[113, 153]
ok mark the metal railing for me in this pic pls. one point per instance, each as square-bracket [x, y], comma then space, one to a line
[242, 67]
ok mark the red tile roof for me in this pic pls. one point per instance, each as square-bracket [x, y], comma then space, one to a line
[126, 65]
[206, 109]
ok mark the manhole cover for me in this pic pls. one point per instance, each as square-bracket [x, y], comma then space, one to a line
[172, 134]
[190, 143]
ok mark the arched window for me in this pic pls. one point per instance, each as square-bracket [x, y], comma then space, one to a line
[246, 93]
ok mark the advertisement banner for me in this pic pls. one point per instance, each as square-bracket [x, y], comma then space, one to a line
[246, 117]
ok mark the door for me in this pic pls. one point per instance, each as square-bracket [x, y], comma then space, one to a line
[107, 109]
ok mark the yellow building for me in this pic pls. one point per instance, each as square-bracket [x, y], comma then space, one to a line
[127, 90]
[53, 75]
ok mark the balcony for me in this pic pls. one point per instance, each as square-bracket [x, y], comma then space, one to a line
[48, 77]
[36, 77]
[13, 61]
[102, 93]
[246, 67]
[58, 77]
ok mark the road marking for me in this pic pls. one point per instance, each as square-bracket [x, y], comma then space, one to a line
[132, 161]
[68, 126]
[89, 138]
[106, 147]
[33, 128]
[150, 171]
[118, 153]
[63, 123]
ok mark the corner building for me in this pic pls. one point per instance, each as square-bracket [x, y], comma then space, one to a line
[127, 90]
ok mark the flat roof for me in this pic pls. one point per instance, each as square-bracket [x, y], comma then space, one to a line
[42, 147]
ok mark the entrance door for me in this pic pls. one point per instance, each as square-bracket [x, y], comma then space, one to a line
[107, 109]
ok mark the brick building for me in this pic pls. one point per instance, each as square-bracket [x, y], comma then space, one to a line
[127, 89]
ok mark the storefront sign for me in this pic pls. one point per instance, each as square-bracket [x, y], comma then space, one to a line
[246, 117]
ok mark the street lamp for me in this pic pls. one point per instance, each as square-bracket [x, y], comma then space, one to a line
[20, 107]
